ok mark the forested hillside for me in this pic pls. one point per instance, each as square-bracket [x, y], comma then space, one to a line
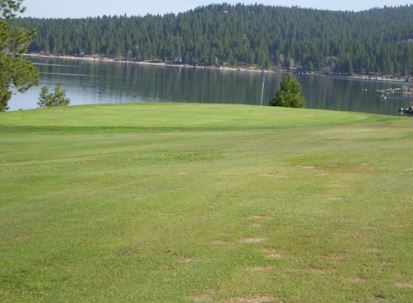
[378, 40]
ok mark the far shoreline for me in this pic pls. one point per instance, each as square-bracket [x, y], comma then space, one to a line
[223, 68]
[152, 63]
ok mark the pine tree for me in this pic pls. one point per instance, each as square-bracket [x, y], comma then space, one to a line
[45, 98]
[57, 98]
[15, 72]
[290, 94]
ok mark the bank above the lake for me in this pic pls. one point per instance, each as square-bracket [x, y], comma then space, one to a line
[162, 202]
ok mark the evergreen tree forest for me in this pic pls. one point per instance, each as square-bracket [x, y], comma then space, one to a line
[373, 41]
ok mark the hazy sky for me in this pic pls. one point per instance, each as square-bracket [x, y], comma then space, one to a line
[83, 8]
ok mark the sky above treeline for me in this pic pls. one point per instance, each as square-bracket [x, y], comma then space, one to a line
[86, 8]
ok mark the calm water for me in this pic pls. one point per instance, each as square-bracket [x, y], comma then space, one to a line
[92, 83]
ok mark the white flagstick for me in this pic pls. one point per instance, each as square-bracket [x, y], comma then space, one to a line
[263, 86]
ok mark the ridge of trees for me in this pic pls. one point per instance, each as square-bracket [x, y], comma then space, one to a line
[373, 41]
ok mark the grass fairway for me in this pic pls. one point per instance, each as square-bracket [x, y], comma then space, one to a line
[205, 203]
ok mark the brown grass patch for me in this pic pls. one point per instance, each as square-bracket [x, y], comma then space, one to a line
[272, 253]
[186, 259]
[203, 298]
[258, 217]
[336, 258]
[307, 167]
[408, 285]
[256, 225]
[219, 242]
[315, 271]
[163, 269]
[340, 185]
[260, 268]
[319, 271]
[362, 130]
[359, 280]
[335, 198]
[372, 250]
[274, 176]
[255, 299]
[384, 264]
[126, 252]
[254, 240]
[22, 238]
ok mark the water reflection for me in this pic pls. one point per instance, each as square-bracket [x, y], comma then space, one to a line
[90, 82]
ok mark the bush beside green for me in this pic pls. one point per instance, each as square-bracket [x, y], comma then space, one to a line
[57, 98]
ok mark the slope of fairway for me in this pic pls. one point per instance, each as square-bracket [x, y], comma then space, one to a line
[205, 203]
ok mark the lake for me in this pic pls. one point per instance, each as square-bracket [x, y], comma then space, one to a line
[89, 82]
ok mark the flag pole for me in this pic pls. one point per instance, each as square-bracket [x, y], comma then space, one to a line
[263, 87]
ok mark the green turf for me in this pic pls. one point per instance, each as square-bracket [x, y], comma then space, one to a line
[205, 203]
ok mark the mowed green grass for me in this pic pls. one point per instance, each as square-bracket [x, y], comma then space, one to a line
[205, 203]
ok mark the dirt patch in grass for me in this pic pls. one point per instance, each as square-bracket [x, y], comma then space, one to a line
[186, 259]
[385, 264]
[362, 130]
[340, 186]
[274, 176]
[333, 198]
[126, 252]
[272, 253]
[319, 271]
[254, 240]
[22, 238]
[256, 225]
[408, 285]
[203, 298]
[306, 167]
[256, 219]
[163, 269]
[260, 268]
[254, 299]
[336, 258]
[358, 280]
[220, 242]
[372, 250]
[315, 271]
[259, 217]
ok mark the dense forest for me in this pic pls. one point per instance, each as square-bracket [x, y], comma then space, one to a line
[373, 41]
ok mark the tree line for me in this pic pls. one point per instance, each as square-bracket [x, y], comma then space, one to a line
[373, 41]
